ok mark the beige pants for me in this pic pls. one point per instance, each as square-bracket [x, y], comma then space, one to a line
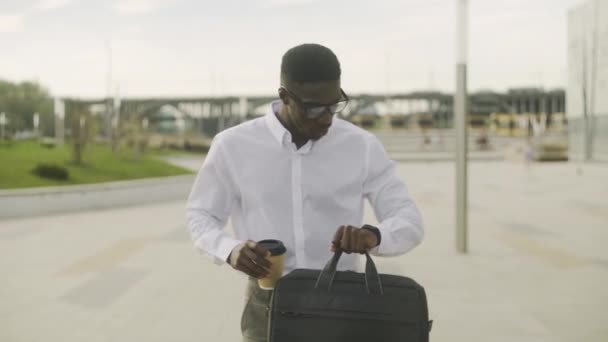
[254, 322]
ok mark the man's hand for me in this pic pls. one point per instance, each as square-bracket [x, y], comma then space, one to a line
[250, 258]
[353, 240]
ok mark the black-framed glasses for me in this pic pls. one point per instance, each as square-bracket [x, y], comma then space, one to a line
[315, 110]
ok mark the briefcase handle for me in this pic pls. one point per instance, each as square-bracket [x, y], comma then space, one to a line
[373, 284]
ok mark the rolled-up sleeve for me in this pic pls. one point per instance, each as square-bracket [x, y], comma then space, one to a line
[209, 206]
[400, 222]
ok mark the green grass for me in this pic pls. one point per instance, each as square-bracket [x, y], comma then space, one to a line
[166, 152]
[18, 159]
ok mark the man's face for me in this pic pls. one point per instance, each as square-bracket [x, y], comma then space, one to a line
[302, 95]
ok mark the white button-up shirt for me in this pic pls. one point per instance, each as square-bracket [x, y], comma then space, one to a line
[255, 175]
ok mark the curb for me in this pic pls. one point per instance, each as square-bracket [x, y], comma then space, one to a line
[63, 199]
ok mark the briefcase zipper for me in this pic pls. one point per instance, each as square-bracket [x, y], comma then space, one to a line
[364, 316]
[291, 314]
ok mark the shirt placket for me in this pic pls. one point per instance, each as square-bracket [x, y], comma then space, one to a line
[298, 216]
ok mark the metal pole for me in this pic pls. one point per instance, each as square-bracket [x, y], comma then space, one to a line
[2, 123]
[36, 122]
[593, 76]
[460, 117]
[59, 109]
[109, 108]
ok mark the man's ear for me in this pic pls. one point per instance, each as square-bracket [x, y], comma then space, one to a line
[284, 96]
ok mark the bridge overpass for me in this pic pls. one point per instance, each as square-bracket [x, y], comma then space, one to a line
[213, 114]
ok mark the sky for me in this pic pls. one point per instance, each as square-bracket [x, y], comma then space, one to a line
[142, 48]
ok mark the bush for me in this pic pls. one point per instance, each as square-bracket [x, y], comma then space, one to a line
[196, 147]
[48, 142]
[51, 171]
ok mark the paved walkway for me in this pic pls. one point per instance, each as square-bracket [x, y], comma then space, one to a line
[537, 268]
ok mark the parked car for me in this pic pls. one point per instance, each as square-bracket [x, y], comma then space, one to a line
[550, 147]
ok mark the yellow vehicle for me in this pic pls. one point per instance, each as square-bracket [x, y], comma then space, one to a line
[478, 122]
[365, 120]
[552, 142]
[398, 121]
[509, 124]
[550, 146]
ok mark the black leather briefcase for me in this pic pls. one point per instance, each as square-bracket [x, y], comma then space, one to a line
[334, 306]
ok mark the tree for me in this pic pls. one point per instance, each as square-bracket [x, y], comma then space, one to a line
[21, 100]
[81, 125]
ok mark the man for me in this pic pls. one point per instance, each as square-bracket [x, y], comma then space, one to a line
[298, 175]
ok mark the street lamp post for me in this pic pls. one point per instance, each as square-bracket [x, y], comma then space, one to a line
[2, 123]
[36, 122]
[59, 109]
[460, 121]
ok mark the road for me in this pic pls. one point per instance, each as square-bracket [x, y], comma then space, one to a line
[536, 271]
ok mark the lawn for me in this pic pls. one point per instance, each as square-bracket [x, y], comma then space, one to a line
[100, 164]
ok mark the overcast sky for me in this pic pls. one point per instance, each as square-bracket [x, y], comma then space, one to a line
[202, 47]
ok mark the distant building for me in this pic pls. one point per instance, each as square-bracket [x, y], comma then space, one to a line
[536, 101]
[168, 119]
[587, 91]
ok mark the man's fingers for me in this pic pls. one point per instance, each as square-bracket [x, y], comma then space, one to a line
[346, 238]
[261, 254]
[251, 268]
[352, 240]
[256, 259]
[260, 250]
[355, 238]
[362, 242]
[338, 236]
[337, 240]
[243, 267]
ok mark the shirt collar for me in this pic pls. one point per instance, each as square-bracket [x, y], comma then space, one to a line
[279, 132]
[276, 127]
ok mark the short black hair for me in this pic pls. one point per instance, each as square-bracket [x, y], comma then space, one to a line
[310, 63]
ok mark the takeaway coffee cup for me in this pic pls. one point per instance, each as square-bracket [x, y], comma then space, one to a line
[277, 259]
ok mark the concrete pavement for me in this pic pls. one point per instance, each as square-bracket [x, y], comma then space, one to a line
[537, 268]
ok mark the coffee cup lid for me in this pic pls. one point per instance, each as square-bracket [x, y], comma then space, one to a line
[275, 247]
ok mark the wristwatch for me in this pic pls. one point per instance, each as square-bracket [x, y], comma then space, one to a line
[374, 230]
